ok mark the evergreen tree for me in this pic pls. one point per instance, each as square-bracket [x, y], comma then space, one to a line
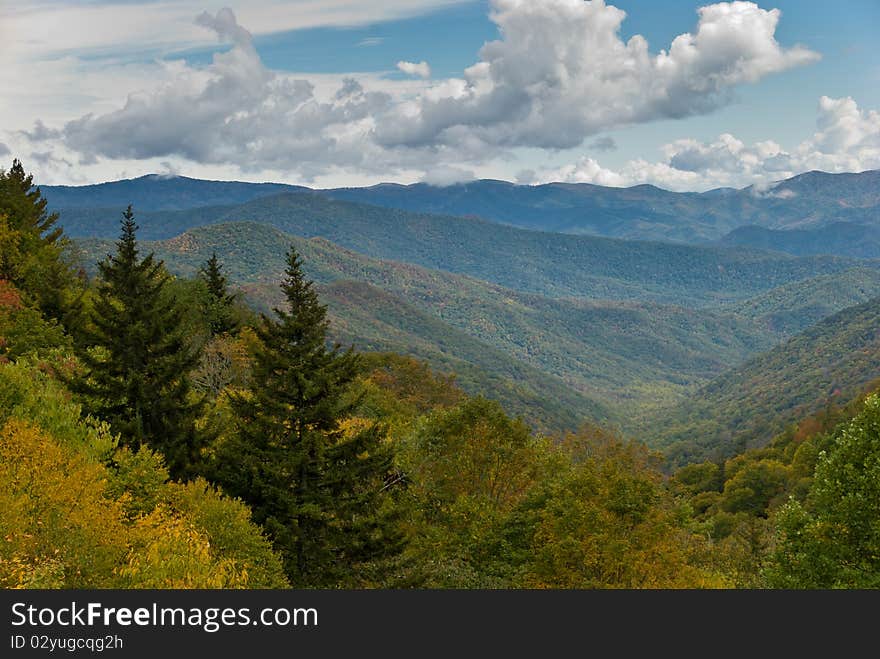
[26, 206]
[137, 378]
[218, 306]
[315, 488]
[32, 249]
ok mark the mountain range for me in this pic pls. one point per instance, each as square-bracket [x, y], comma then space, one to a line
[696, 348]
[807, 202]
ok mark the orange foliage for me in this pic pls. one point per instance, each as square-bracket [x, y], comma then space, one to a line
[10, 299]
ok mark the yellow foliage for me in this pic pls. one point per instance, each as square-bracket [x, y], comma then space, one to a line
[63, 526]
[169, 552]
[54, 510]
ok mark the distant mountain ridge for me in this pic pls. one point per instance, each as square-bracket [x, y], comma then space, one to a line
[157, 192]
[643, 212]
[549, 264]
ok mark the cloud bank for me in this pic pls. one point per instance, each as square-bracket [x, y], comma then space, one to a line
[559, 74]
[847, 139]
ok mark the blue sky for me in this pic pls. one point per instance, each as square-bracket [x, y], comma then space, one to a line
[805, 97]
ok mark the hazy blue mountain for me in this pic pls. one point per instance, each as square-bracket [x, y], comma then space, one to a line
[644, 212]
[550, 264]
[641, 212]
[157, 192]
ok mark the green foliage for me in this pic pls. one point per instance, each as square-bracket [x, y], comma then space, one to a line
[397, 389]
[138, 380]
[24, 330]
[314, 487]
[493, 506]
[752, 489]
[829, 363]
[794, 307]
[465, 468]
[604, 520]
[833, 539]
[32, 250]
[738, 504]
[79, 514]
[227, 524]
[218, 302]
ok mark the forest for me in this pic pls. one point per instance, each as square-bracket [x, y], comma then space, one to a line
[159, 431]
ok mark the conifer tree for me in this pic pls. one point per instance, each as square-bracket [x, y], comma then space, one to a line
[26, 206]
[315, 488]
[137, 377]
[218, 306]
[33, 249]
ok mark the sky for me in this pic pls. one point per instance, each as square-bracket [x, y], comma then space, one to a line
[327, 93]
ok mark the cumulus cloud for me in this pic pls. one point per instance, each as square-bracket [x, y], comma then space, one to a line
[420, 69]
[559, 73]
[444, 175]
[585, 170]
[4, 150]
[847, 139]
[235, 110]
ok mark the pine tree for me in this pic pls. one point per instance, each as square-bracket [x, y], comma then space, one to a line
[218, 305]
[313, 487]
[137, 378]
[33, 249]
[26, 206]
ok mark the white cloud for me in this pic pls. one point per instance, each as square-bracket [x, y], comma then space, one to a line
[446, 175]
[558, 74]
[235, 110]
[561, 73]
[420, 69]
[847, 140]
[585, 170]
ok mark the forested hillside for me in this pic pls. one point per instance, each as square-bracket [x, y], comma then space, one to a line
[549, 264]
[618, 354]
[188, 413]
[172, 408]
[794, 307]
[830, 362]
[841, 238]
